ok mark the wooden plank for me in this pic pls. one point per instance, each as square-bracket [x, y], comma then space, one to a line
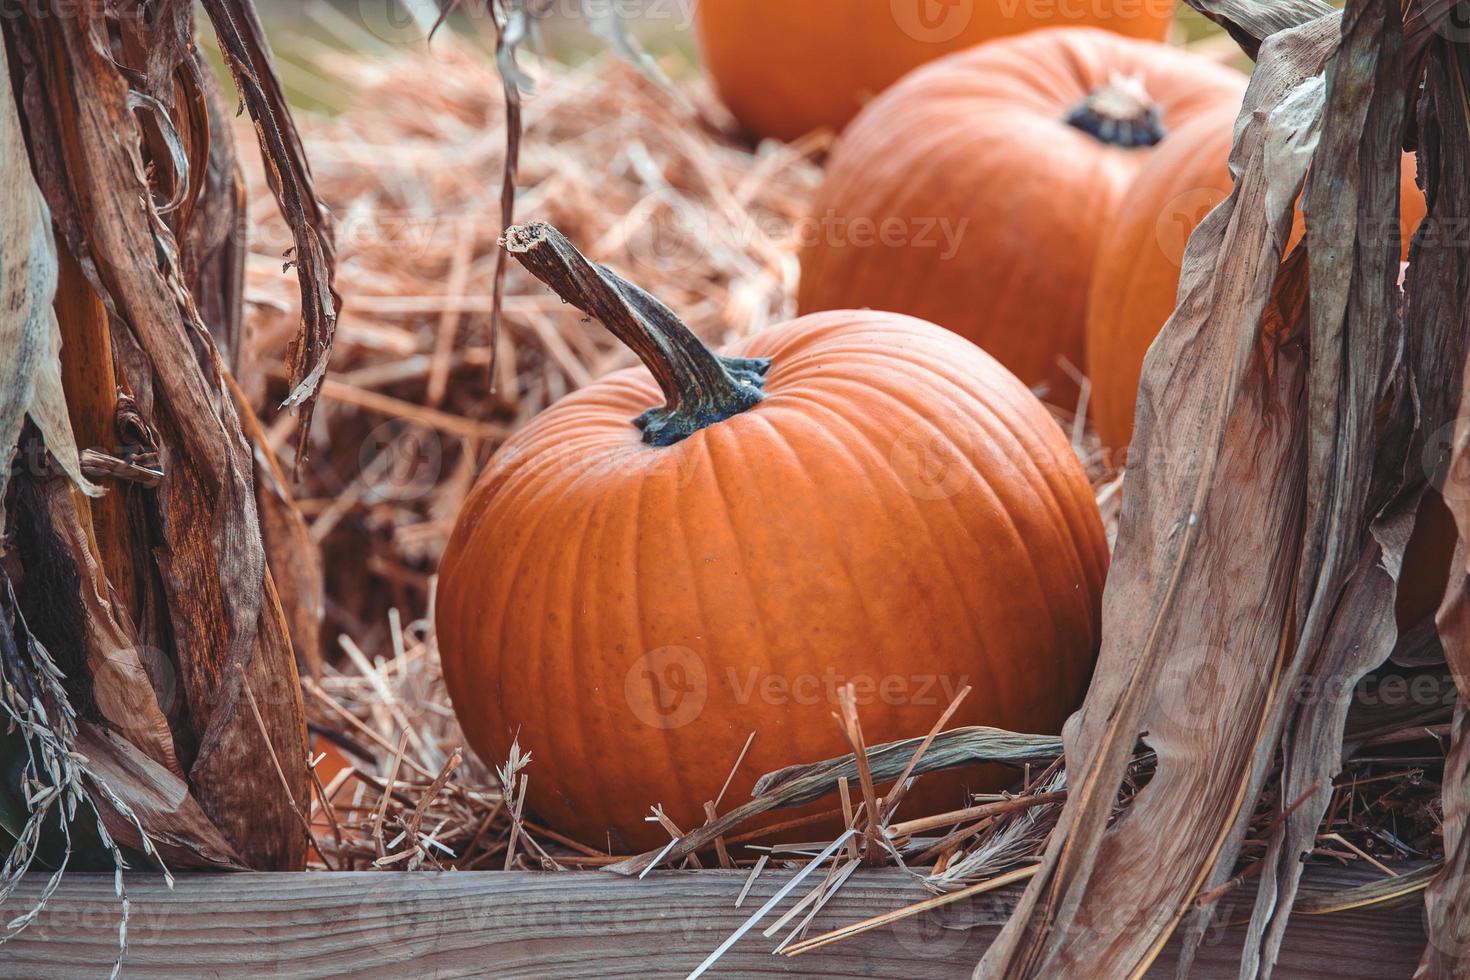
[583, 924]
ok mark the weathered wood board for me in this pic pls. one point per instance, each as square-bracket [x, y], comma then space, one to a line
[583, 924]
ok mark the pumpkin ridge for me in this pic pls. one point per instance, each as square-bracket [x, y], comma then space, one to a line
[865, 438]
[696, 581]
[570, 730]
[1033, 443]
[779, 437]
[511, 575]
[997, 435]
[1019, 455]
[635, 576]
[999, 431]
[717, 466]
[534, 578]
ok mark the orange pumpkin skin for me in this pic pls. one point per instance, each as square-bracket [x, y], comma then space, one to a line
[332, 763]
[787, 67]
[898, 512]
[1136, 277]
[978, 143]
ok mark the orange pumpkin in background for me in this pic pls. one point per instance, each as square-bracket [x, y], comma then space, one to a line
[850, 497]
[1136, 276]
[1134, 286]
[331, 763]
[787, 67]
[975, 192]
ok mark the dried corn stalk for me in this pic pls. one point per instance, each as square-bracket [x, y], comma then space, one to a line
[1273, 484]
[146, 641]
[1439, 290]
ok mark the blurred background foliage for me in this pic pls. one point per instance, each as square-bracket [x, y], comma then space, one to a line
[297, 28]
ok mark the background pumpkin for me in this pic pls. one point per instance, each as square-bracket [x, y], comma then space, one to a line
[1133, 291]
[332, 762]
[1136, 274]
[982, 139]
[787, 67]
[897, 510]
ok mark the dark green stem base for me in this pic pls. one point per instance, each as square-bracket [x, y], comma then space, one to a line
[699, 386]
[1119, 113]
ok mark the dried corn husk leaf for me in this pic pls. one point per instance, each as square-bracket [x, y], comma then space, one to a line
[1361, 500]
[1249, 22]
[295, 560]
[30, 340]
[796, 785]
[213, 219]
[247, 53]
[122, 685]
[1262, 534]
[1448, 951]
[211, 603]
[1201, 586]
[178, 829]
[1439, 296]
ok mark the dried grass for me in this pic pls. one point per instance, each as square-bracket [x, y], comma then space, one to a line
[411, 169]
[412, 172]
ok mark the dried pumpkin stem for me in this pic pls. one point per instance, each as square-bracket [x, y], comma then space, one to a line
[1119, 113]
[700, 387]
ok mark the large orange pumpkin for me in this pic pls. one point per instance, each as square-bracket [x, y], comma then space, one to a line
[1136, 275]
[974, 193]
[851, 497]
[787, 67]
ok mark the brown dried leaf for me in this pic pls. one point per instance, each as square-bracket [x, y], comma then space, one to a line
[178, 828]
[123, 688]
[247, 53]
[1263, 533]
[1439, 305]
[1200, 594]
[30, 340]
[221, 611]
[294, 559]
[1249, 22]
[1361, 492]
[212, 222]
[1446, 954]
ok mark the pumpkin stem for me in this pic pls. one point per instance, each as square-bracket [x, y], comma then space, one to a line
[1119, 113]
[700, 387]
